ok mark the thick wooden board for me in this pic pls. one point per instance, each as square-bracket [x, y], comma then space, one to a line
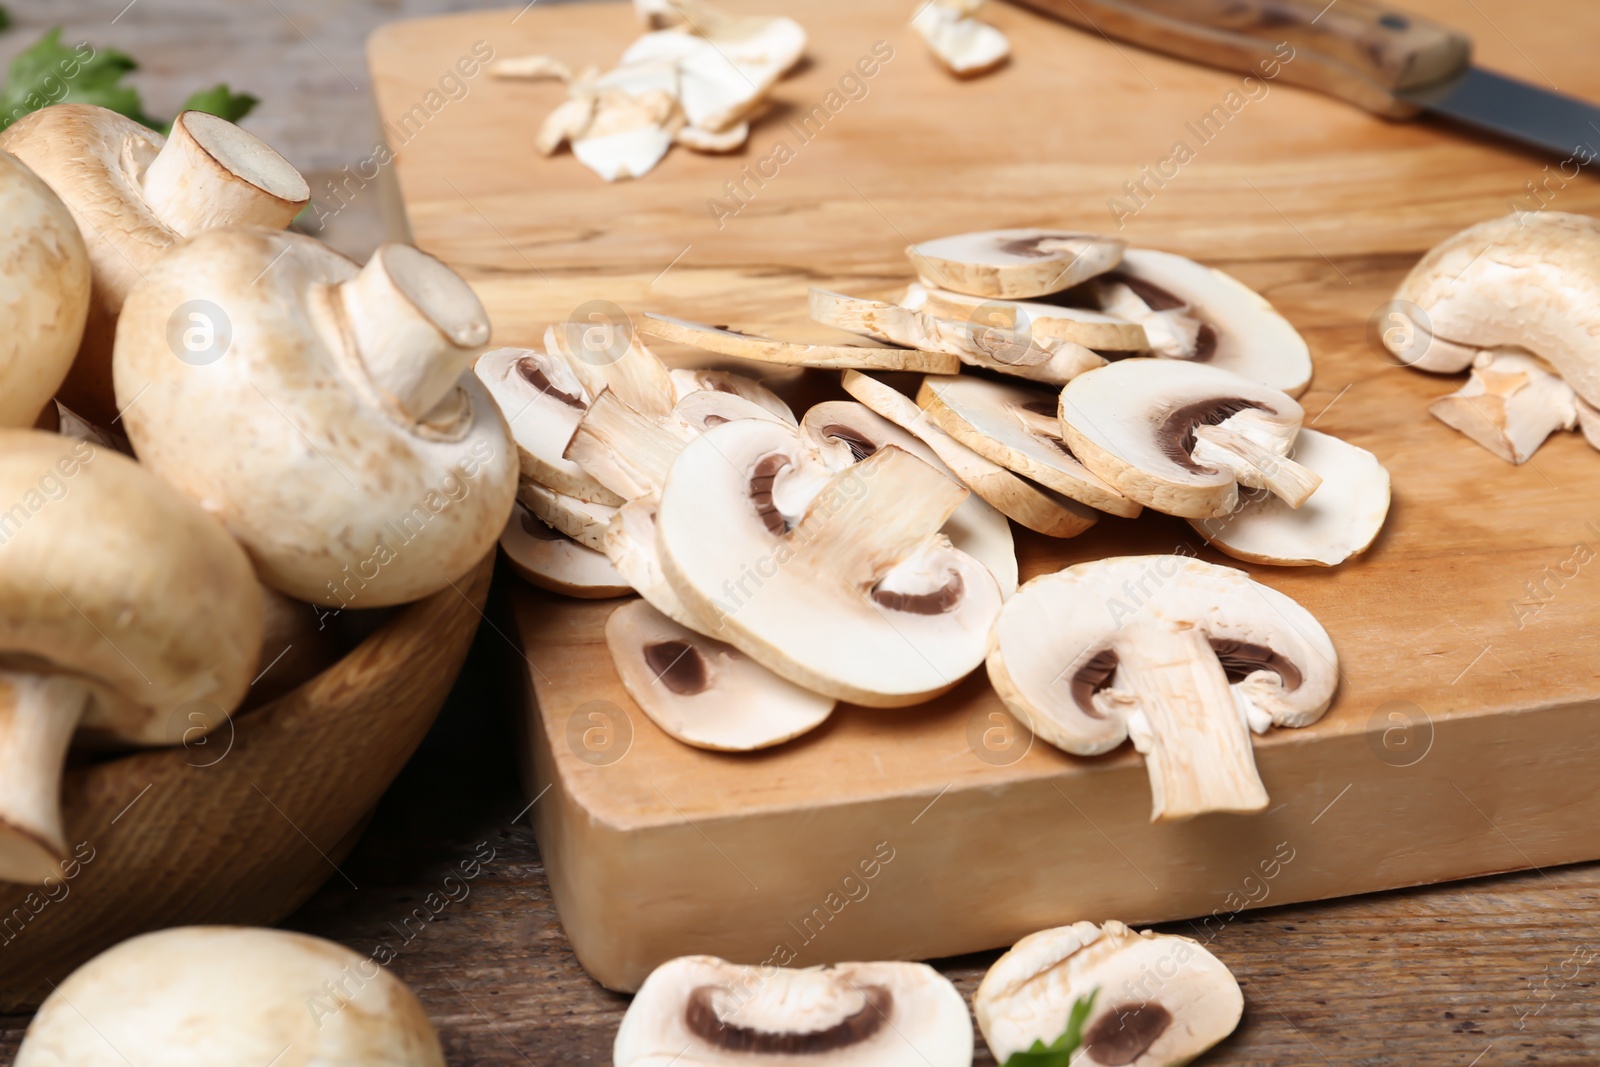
[1464, 734]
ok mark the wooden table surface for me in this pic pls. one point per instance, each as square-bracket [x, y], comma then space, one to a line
[1495, 971]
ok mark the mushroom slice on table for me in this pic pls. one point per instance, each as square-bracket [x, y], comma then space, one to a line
[230, 995]
[862, 599]
[1085, 326]
[1017, 428]
[965, 46]
[378, 468]
[135, 195]
[543, 401]
[625, 451]
[703, 692]
[610, 355]
[1184, 657]
[726, 342]
[686, 381]
[581, 520]
[845, 433]
[44, 272]
[1339, 520]
[710, 1012]
[1509, 404]
[1181, 437]
[1014, 264]
[1159, 1000]
[544, 556]
[1024, 502]
[123, 606]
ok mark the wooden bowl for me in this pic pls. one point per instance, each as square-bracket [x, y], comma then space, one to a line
[239, 833]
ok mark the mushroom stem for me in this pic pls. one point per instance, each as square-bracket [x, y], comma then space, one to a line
[1195, 742]
[1254, 465]
[38, 716]
[1509, 405]
[211, 173]
[416, 325]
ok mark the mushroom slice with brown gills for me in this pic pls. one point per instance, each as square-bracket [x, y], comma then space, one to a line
[1017, 428]
[967, 47]
[1159, 1000]
[1181, 437]
[1191, 311]
[543, 556]
[136, 195]
[1084, 326]
[1339, 520]
[1184, 657]
[686, 381]
[726, 342]
[703, 692]
[581, 520]
[610, 355]
[845, 433]
[862, 599]
[543, 401]
[1024, 502]
[706, 1011]
[1014, 264]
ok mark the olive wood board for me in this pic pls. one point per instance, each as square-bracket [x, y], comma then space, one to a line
[1465, 736]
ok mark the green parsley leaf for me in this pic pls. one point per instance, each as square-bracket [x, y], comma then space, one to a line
[221, 101]
[5, 20]
[1059, 1052]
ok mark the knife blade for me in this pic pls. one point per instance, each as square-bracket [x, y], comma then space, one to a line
[1388, 61]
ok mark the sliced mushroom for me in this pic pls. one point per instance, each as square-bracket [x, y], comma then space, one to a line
[135, 195]
[543, 401]
[1159, 1000]
[703, 692]
[861, 600]
[1181, 437]
[581, 520]
[685, 382]
[605, 354]
[1017, 428]
[727, 64]
[1339, 520]
[543, 556]
[230, 995]
[1509, 404]
[629, 153]
[846, 433]
[967, 47]
[1025, 502]
[714, 1013]
[1184, 657]
[630, 543]
[1191, 311]
[727, 342]
[1084, 326]
[713, 141]
[625, 451]
[1014, 264]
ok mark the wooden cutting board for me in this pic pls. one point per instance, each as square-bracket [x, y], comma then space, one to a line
[1466, 733]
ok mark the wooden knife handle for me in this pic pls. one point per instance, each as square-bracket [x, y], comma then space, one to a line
[1359, 50]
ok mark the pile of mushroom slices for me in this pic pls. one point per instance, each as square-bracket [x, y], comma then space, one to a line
[1129, 998]
[1514, 301]
[308, 440]
[697, 79]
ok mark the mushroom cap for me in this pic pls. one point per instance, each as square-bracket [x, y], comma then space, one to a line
[1017, 427]
[44, 296]
[861, 599]
[200, 996]
[543, 402]
[1529, 281]
[1340, 520]
[703, 1010]
[845, 433]
[704, 692]
[110, 575]
[726, 342]
[1014, 264]
[544, 556]
[1132, 423]
[1057, 641]
[1162, 999]
[338, 497]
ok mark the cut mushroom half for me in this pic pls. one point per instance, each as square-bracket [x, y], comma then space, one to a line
[1084, 326]
[703, 692]
[1183, 657]
[1181, 437]
[707, 1011]
[1509, 404]
[1024, 502]
[1339, 520]
[543, 402]
[1017, 428]
[583, 521]
[1159, 1000]
[543, 556]
[862, 599]
[1014, 264]
[966, 46]
[845, 433]
[727, 342]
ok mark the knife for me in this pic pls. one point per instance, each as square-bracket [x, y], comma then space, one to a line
[1380, 58]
